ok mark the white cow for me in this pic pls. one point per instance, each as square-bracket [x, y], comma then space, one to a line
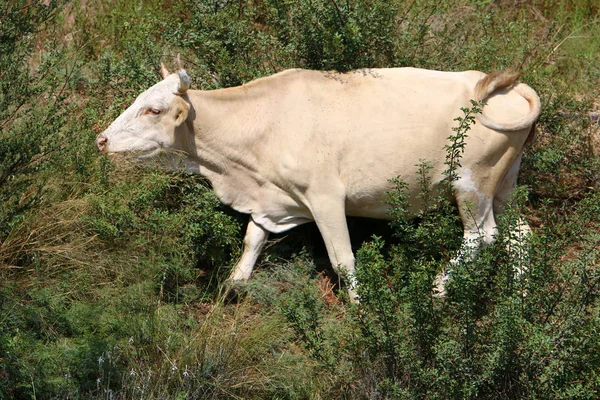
[304, 146]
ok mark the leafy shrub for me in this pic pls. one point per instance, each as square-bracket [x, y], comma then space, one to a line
[110, 273]
[31, 113]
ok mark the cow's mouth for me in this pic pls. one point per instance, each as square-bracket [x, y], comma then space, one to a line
[139, 154]
[142, 155]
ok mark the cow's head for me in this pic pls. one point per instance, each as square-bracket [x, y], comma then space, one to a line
[149, 125]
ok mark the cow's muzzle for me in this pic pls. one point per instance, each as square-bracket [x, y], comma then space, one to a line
[101, 141]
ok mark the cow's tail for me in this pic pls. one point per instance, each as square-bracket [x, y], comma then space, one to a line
[505, 79]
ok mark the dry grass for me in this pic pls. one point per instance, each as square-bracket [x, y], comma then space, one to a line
[56, 235]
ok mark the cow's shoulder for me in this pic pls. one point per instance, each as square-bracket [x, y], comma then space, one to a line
[283, 78]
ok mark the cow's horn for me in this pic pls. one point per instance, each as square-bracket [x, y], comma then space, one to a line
[184, 81]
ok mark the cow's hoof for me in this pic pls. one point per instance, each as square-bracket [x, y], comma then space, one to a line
[353, 296]
[233, 290]
[439, 284]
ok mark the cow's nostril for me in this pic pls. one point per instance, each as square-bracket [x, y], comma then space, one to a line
[101, 142]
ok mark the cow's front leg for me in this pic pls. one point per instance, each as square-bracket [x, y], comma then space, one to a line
[254, 241]
[330, 216]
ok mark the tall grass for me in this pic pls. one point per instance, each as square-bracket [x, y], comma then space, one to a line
[111, 273]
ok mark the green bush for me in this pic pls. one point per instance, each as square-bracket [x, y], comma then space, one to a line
[32, 110]
[110, 273]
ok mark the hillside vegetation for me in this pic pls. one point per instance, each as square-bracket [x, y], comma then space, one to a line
[111, 273]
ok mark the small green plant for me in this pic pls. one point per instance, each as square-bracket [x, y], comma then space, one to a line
[457, 144]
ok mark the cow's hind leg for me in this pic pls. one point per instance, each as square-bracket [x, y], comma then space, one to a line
[476, 211]
[254, 240]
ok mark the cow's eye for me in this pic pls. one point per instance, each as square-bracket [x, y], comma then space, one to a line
[153, 111]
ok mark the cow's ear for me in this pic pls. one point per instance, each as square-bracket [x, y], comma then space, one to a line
[164, 71]
[181, 110]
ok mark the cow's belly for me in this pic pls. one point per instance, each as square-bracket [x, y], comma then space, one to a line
[280, 214]
[371, 197]
[377, 211]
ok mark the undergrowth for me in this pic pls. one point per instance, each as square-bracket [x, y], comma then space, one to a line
[111, 272]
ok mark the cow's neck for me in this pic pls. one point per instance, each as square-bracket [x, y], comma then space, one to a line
[227, 133]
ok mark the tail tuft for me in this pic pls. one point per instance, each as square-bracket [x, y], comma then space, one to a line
[502, 80]
[494, 81]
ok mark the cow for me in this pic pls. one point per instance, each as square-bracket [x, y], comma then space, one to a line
[302, 145]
